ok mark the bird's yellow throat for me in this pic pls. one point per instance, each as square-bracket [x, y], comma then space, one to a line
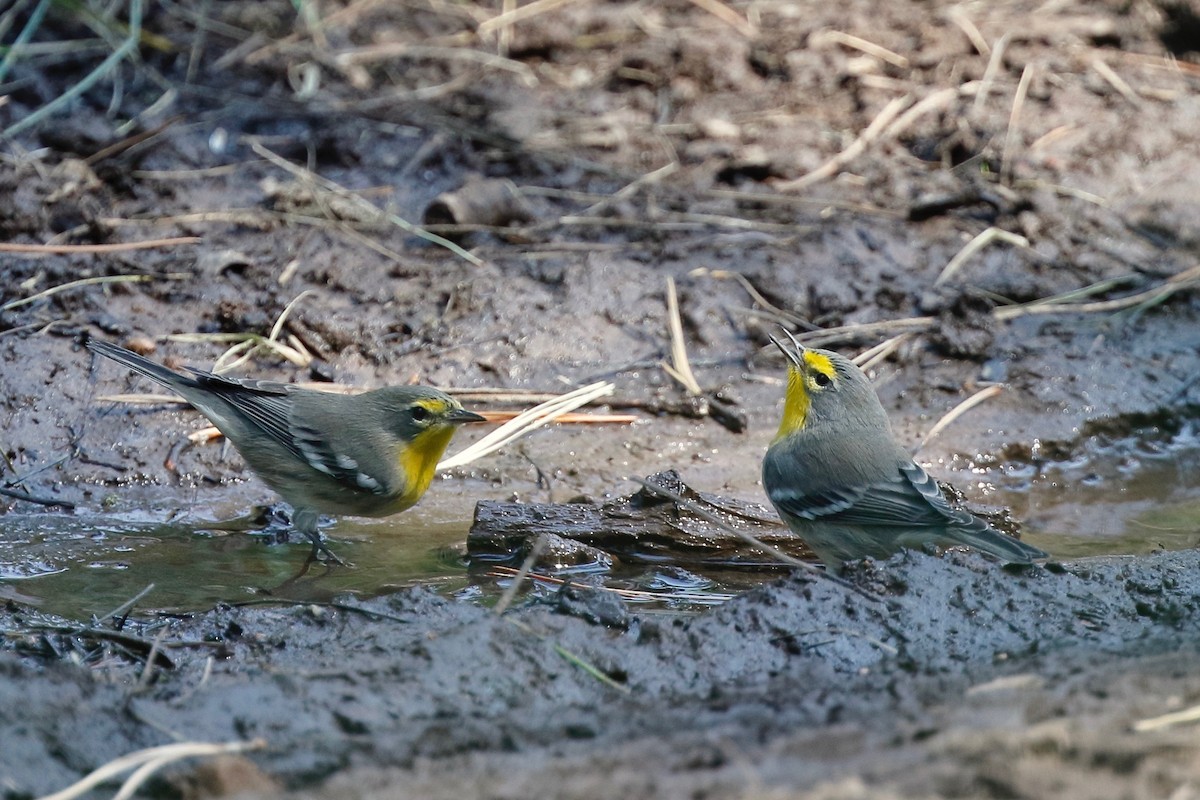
[800, 386]
[418, 460]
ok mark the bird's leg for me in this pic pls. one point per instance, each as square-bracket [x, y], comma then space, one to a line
[305, 521]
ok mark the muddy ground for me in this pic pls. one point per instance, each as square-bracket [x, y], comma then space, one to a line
[645, 141]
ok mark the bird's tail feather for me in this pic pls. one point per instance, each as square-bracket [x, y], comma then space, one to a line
[1006, 548]
[143, 366]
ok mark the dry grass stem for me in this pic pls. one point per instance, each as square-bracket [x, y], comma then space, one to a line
[539, 544]
[520, 14]
[97, 281]
[936, 101]
[849, 333]
[526, 422]
[360, 202]
[1187, 279]
[728, 16]
[982, 395]
[995, 62]
[1008, 154]
[680, 368]
[76, 249]
[972, 247]
[1181, 717]
[142, 759]
[856, 148]
[1065, 191]
[959, 18]
[872, 357]
[755, 295]
[631, 189]
[348, 59]
[1117, 82]
[857, 43]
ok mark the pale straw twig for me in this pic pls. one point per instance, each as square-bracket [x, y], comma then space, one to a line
[680, 368]
[526, 422]
[148, 761]
[966, 405]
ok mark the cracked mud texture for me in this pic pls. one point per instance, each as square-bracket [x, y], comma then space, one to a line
[646, 140]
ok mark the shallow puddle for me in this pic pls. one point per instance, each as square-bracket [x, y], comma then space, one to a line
[1127, 498]
[1132, 497]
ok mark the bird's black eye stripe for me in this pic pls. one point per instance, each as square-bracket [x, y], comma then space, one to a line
[420, 413]
[822, 379]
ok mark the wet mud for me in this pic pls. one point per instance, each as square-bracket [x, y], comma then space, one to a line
[622, 144]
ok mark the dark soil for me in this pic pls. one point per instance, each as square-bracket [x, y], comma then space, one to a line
[642, 141]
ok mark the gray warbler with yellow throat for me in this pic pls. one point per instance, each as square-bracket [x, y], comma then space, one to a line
[368, 455]
[842, 483]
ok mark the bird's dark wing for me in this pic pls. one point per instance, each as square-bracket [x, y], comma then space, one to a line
[265, 405]
[910, 499]
[315, 449]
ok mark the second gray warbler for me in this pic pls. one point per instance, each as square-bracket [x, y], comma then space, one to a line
[368, 455]
[842, 483]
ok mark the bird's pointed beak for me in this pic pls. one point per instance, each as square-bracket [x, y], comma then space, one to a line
[460, 416]
[794, 353]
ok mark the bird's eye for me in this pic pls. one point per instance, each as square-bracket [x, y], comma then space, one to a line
[821, 379]
[420, 413]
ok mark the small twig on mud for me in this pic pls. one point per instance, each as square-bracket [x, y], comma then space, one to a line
[679, 368]
[755, 295]
[728, 16]
[989, 73]
[148, 668]
[147, 762]
[630, 189]
[1117, 82]
[1187, 279]
[762, 198]
[1008, 154]
[128, 604]
[591, 669]
[348, 59]
[934, 102]
[847, 333]
[53, 290]
[361, 202]
[76, 249]
[32, 498]
[1181, 717]
[116, 148]
[753, 540]
[528, 11]
[539, 544]
[960, 18]
[869, 358]
[821, 38]
[856, 148]
[982, 240]
[1065, 191]
[526, 422]
[956, 412]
